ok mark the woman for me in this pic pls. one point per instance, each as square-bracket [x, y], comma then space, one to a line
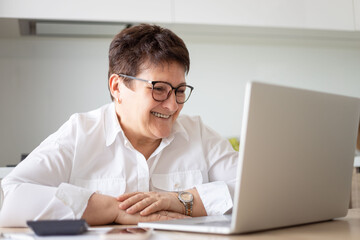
[135, 159]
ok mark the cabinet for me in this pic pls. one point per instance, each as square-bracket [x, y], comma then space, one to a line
[214, 16]
[158, 11]
[305, 14]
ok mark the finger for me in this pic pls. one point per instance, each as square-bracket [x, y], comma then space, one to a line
[125, 196]
[164, 202]
[141, 205]
[132, 201]
[153, 208]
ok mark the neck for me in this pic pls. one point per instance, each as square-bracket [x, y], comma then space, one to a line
[146, 146]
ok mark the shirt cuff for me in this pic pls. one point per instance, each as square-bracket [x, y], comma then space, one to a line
[74, 197]
[215, 197]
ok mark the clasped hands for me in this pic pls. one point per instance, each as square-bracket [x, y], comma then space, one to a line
[156, 205]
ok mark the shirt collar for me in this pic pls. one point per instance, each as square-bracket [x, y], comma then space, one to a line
[178, 129]
[112, 127]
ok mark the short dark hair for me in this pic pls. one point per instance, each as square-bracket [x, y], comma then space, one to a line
[134, 46]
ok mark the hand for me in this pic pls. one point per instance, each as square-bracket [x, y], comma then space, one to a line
[103, 209]
[147, 203]
[130, 219]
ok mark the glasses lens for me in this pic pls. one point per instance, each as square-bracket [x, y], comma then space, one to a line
[183, 94]
[161, 91]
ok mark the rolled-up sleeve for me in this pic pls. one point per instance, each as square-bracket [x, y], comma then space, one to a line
[74, 197]
[215, 197]
[36, 188]
[64, 202]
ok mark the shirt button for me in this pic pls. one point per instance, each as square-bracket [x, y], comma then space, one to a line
[177, 185]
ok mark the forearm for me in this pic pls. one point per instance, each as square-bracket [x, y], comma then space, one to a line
[198, 206]
[147, 203]
[101, 209]
[27, 201]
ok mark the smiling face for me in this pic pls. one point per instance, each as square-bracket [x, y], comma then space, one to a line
[141, 117]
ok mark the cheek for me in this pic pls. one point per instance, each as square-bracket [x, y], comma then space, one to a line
[179, 109]
[144, 104]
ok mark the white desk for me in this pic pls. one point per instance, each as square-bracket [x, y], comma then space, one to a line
[342, 228]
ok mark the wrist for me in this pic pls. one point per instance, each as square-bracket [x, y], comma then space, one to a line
[100, 210]
[177, 206]
[187, 200]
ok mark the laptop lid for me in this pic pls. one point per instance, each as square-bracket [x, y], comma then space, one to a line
[295, 163]
[296, 157]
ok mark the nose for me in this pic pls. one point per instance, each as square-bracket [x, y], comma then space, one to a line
[171, 103]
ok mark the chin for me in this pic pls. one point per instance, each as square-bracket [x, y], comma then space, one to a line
[161, 130]
[162, 134]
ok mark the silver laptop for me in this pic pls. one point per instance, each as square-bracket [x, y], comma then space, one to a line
[295, 165]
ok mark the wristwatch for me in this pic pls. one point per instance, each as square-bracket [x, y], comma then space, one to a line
[187, 199]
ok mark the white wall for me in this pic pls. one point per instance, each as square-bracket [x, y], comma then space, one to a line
[44, 80]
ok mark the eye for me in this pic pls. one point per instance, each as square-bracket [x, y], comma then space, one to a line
[181, 90]
[159, 89]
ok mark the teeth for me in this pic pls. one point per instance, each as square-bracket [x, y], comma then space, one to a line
[156, 114]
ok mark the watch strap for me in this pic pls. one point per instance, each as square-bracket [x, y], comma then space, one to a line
[188, 208]
[187, 204]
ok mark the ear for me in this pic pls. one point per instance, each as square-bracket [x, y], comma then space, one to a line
[114, 86]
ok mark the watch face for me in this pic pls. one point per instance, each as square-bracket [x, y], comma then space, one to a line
[187, 197]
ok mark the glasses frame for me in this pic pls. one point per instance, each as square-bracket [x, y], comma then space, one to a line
[153, 84]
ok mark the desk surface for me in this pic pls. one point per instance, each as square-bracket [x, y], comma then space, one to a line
[342, 228]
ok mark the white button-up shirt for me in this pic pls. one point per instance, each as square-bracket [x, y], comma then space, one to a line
[90, 153]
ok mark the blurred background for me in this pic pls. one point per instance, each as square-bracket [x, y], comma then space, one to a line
[53, 56]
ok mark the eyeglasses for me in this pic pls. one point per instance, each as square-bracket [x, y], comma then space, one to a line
[162, 90]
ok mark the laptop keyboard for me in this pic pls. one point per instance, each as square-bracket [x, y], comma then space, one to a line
[215, 223]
